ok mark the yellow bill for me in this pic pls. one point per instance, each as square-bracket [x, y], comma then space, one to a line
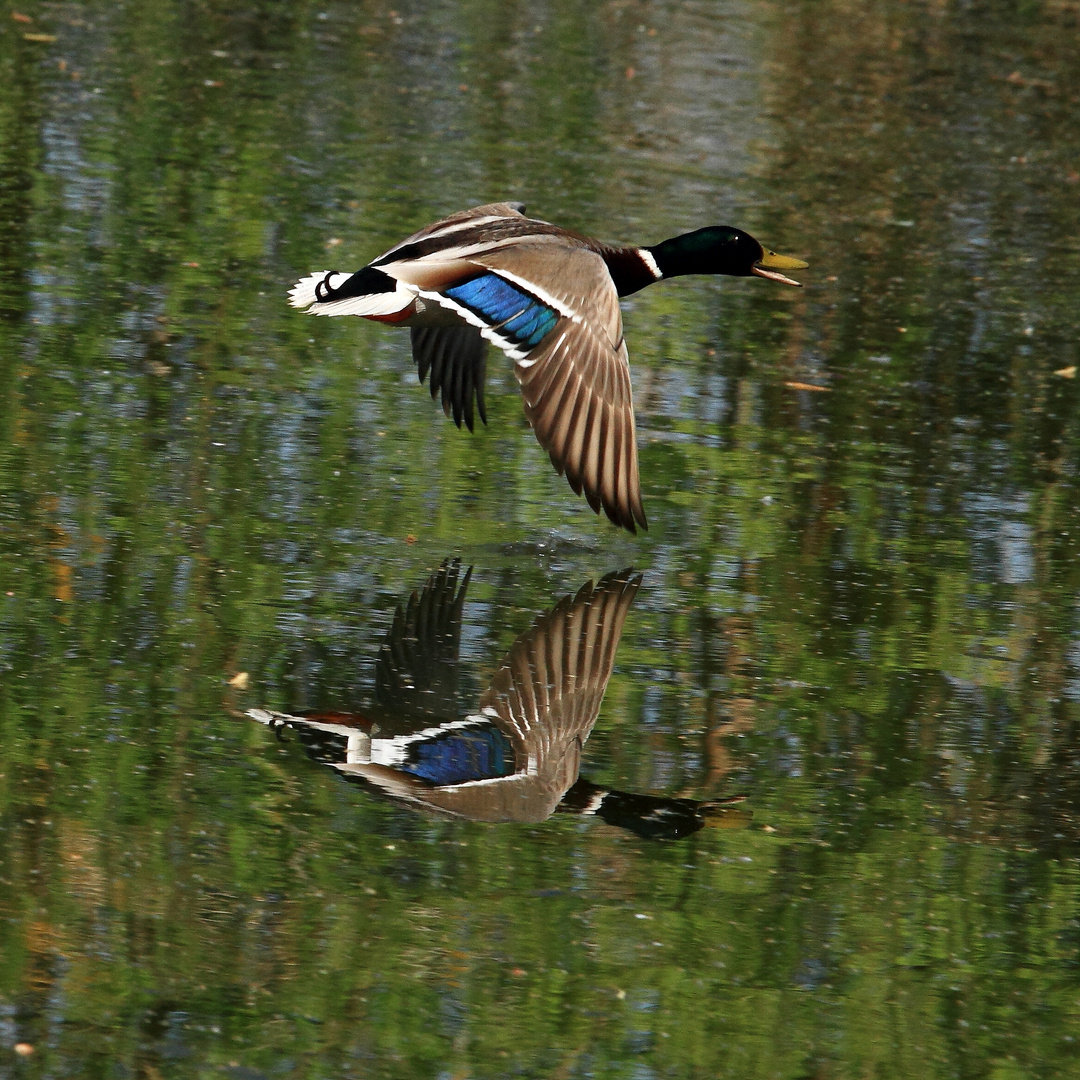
[770, 262]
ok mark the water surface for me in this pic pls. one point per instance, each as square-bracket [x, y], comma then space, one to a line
[858, 608]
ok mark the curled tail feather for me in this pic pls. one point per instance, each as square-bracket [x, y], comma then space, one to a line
[303, 292]
[312, 293]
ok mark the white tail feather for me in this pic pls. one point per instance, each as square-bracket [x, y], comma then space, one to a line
[302, 295]
[264, 716]
[303, 292]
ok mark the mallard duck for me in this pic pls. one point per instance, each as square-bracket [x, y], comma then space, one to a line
[514, 755]
[516, 751]
[549, 298]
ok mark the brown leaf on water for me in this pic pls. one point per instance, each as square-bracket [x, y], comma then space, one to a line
[806, 386]
[63, 590]
[18, 16]
[46, 38]
[1067, 372]
[240, 680]
[1016, 79]
[410, 539]
[23, 1049]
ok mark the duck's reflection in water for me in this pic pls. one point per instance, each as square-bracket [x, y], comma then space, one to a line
[517, 756]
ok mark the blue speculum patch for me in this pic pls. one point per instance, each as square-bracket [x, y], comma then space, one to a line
[461, 755]
[518, 315]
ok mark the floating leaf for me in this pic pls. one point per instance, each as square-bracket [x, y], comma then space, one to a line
[806, 386]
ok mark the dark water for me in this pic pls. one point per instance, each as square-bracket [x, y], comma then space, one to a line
[858, 608]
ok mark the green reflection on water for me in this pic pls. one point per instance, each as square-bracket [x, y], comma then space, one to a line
[859, 609]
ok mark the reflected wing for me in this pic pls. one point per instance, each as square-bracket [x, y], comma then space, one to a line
[543, 701]
[455, 358]
[547, 692]
[515, 757]
[416, 673]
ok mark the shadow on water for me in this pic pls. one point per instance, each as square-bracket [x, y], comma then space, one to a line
[517, 755]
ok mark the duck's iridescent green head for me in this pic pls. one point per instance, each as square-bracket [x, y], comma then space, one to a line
[721, 249]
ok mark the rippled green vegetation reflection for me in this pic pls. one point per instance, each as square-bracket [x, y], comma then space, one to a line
[859, 604]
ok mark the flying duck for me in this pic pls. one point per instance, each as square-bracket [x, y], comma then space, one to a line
[513, 755]
[549, 298]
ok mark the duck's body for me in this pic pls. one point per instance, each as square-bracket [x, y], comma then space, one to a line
[549, 298]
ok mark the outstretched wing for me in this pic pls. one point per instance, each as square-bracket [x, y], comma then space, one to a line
[553, 309]
[577, 396]
[416, 672]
